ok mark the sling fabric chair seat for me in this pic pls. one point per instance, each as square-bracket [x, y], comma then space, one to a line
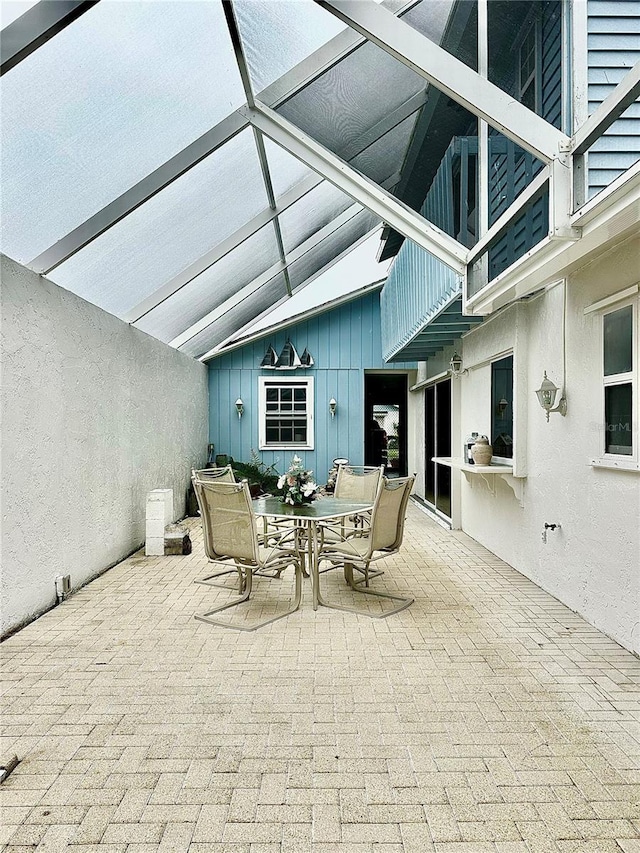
[230, 534]
[383, 538]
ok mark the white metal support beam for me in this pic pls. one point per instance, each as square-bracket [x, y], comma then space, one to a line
[138, 194]
[626, 93]
[35, 27]
[228, 245]
[268, 215]
[276, 94]
[219, 347]
[451, 76]
[266, 276]
[560, 199]
[243, 68]
[360, 188]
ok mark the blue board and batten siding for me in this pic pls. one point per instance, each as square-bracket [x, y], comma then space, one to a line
[613, 49]
[343, 342]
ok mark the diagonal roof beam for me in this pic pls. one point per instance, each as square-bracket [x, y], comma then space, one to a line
[276, 94]
[625, 93]
[451, 76]
[310, 243]
[35, 27]
[218, 347]
[243, 68]
[138, 194]
[285, 201]
[360, 188]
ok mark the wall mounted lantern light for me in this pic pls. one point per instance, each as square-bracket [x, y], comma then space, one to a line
[239, 407]
[332, 407]
[455, 365]
[546, 395]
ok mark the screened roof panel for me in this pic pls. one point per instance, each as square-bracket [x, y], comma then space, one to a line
[385, 158]
[314, 210]
[244, 313]
[105, 102]
[212, 287]
[277, 36]
[456, 33]
[344, 104]
[174, 228]
[316, 259]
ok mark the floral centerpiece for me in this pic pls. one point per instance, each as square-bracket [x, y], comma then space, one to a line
[297, 484]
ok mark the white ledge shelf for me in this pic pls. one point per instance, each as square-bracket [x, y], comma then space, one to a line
[488, 473]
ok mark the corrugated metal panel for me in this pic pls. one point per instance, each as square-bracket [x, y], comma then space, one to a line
[343, 342]
[613, 49]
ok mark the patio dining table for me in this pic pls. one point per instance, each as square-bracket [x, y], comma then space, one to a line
[308, 517]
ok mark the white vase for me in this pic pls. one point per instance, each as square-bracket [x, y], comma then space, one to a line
[482, 451]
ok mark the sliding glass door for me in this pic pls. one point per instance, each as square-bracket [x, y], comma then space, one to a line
[437, 401]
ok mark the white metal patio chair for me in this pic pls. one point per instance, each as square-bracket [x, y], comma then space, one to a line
[383, 538]
[230, 534]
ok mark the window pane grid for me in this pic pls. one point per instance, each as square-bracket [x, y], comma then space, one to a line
[286, 414]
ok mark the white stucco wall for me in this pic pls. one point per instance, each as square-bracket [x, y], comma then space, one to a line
[593, 563]
[95, 414]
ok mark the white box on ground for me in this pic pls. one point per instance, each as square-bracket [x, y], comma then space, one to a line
[159, 514]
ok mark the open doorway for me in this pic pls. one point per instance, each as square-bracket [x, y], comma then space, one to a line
[385, 422]
[437, 401]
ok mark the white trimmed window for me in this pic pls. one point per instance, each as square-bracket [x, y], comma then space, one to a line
[286, 413]
[619, 365]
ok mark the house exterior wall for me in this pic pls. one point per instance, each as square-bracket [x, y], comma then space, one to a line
[593, 563]
[613, 48]
[344, 342]
[95, 414]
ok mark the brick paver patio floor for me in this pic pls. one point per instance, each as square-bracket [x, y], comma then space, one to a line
[486, 717]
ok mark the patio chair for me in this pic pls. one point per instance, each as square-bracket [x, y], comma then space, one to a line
[383, 538]
[267, 535]
[219, 475]
[356, 483]
[230, 534]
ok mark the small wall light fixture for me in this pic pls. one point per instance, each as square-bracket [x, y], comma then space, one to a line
[546, 395]
[332, 407]
[455, 365]
[239, 407]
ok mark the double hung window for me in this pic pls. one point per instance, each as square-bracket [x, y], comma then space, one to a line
[286, 413]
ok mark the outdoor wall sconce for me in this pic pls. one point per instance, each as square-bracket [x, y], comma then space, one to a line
[332, 407]
[239, 407]
[455, 365]
[546, 395]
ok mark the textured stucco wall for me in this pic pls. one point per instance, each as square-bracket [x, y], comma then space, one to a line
[593, 563]
[94, 414]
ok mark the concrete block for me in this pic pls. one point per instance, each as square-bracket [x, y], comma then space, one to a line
[159, 513]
